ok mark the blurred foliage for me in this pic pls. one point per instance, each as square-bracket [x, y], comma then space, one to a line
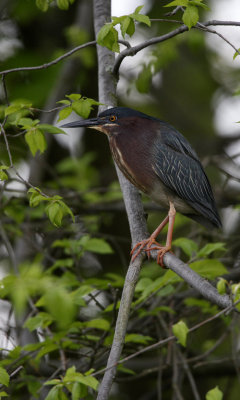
[65, 238]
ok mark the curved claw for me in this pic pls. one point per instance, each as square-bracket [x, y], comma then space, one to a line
[161, 253]
[141, 246]
[148, 243]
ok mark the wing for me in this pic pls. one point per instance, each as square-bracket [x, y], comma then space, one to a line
[175, 140]
[182, 172]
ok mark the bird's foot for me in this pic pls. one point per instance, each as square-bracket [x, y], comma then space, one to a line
[162, 250]
[148, 245]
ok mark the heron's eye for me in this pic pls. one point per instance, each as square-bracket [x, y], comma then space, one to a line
[112, 118]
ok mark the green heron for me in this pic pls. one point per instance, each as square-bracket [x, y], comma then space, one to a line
[160, 162]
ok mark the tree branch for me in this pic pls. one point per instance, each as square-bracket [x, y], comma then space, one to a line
[183, 28]
[197, 282]
[47, 65]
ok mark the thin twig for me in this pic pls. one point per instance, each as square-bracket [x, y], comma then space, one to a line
[7, 145]
[47, 65]
[211, 350]
[205, 28]
[168, 339]
[9, 248]
[5, 89]
[57, 60]
[189, 375]
[176, 376]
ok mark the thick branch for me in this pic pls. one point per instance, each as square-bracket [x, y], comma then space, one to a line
[197, 282]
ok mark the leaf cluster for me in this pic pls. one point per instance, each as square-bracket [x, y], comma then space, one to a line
[190, 15]
[108, 35]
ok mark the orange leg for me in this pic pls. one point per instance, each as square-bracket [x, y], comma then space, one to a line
[151, 243]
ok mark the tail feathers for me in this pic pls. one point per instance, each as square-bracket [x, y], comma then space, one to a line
[208, 217]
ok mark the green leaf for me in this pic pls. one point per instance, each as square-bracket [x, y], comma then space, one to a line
[66, 210]
[144, 79]
[235, 289]
[143, 284]
[41, 320]
[137, 338]
[98, 323]
[142, 18]
[116, 280]
[187, 245]
[180, 330]
[175, 3]
[36, 197]
[168, 278]
[50, 128]
[235, 55]
[73, 96]
[205, 306]
[209, 268]
[125, 370]
[199, 3]
[66, 102]
[112, 306]
[27, 123]
[36, 200]
[83, 291]
[73, 376]
[63, 4]
[55, 213]
[79, 391]
[42, 5]
[3, 175]
[64, 113]
[3, 394]
[127, 26]
[138, 9]
[36, 140]
[190, 16]
[82, 107]
[108, 37]
[17, 105]
[87, 107]
[104, 31]
[60, 305]
[221, 286]
[214, 394]
[210, 248]
[12, 109]
[4, 377]
[52, 382]
[53, 394]
[99, 246]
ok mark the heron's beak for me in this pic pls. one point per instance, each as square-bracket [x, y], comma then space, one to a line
[86, 123]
